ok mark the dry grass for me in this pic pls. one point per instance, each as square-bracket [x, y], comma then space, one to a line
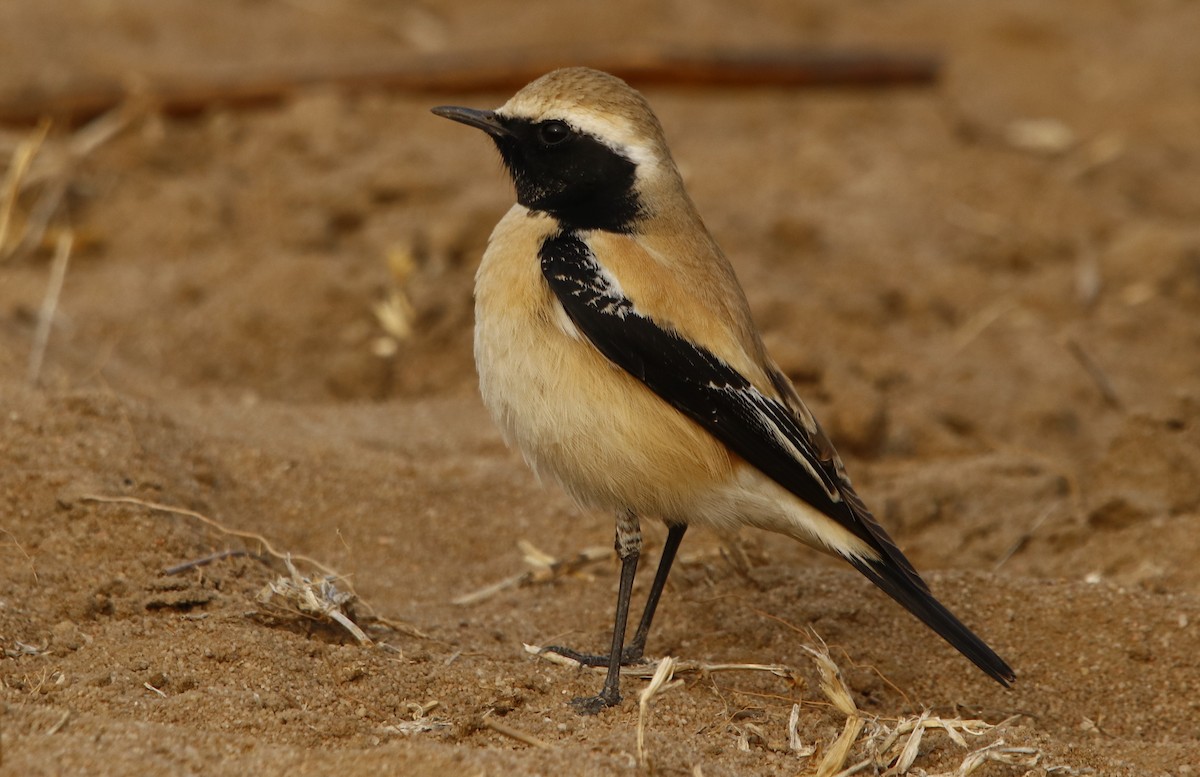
[662, 681]
[879, 746]
[544, 568]
[395, 313]
[21, 160]
[20, 549]
[867, 744]
[646, 671]
[40, 170]
[58, 274]
[311, 596]
[318, 599]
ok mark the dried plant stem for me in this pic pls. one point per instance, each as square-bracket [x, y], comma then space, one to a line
[41, 337]
[545, 568]
[287, 558]
[661, 682]
[205, 561]
[313, 599]
[891, 750]
[1096, 373]
[22, 159]
[58, 725]
[839, 751]
[514, 733]
[650, 668]
[204, 519]
[23, 552]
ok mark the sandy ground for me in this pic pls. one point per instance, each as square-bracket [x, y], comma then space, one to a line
[995, 315]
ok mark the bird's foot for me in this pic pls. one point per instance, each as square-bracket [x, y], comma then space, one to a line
[632, 654]
[592, 705]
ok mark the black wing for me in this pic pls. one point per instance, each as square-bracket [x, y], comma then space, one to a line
[761, 430]
[696, 382]
[690, 378]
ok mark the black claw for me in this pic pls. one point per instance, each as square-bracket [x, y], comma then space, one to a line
[592, 705]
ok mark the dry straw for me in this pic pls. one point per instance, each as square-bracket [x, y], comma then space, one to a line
[50, 168]
[661, 682]
[888, 749]
[58, 274]
[310, 596]
[318, 599]
[544, 568]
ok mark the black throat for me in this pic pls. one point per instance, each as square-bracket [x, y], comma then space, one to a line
[581, 182]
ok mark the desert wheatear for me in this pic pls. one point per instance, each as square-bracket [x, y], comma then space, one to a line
[615, 349]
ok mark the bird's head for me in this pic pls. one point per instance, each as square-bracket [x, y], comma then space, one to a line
[580, 145]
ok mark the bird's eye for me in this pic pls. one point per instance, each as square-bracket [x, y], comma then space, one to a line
[552, 133]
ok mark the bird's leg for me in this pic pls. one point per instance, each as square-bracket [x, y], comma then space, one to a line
[634, 650]
[629, 546]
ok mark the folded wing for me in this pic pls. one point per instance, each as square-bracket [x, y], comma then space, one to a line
[781, 441]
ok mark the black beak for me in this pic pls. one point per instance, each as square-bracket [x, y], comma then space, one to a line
[487, 121]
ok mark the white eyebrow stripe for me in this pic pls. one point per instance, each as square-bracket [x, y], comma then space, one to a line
[622, 137]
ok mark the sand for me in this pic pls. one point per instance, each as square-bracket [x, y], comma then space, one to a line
[987, 290]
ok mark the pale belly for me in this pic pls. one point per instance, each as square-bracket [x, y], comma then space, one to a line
[588, 425]
[577, 418]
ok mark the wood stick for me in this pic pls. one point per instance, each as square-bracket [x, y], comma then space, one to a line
[501, 72]
[515, 733]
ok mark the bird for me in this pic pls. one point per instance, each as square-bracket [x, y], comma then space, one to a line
[616, 351]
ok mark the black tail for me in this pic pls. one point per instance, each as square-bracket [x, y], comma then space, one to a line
[900, 584]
